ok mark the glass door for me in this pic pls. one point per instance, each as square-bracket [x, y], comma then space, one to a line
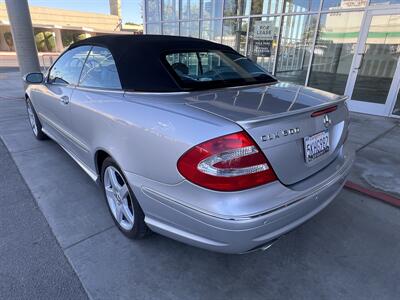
[375, 72]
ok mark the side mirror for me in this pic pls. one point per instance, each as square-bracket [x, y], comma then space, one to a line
[33, 78]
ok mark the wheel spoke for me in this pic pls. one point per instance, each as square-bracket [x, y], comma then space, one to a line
[127, 212]
[109, 192]
[118, 213]
[32, 119]
[123, 192]
[113, 180]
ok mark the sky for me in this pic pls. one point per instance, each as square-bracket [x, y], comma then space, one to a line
[131, 9]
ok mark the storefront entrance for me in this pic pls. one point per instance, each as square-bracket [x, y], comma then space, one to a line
[374, 79]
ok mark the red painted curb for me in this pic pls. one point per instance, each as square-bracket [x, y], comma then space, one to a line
[373, 193]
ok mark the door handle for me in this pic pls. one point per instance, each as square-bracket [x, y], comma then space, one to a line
[64, 99]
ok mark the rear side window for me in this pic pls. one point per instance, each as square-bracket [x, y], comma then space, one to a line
[68, 67]
[100, 70]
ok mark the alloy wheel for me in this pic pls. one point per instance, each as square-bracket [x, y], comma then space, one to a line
[32, 119]
[118, 198]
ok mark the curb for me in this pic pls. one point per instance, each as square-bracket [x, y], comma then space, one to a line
[381, 196]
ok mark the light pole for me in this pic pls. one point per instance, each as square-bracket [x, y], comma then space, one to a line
[115, 9]
[22, 32]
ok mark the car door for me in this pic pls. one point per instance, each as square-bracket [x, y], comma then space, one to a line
[99, 89]
[53, 107]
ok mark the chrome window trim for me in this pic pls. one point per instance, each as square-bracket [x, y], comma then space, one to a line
[104, 90]
[155, 93]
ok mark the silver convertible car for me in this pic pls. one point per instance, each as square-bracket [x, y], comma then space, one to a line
[192, 140]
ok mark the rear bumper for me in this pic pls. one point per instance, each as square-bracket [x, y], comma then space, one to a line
[168, 215]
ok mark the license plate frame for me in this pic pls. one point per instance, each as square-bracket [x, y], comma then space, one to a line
[316, 146]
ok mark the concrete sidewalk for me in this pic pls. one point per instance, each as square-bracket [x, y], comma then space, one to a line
[33, 265]
[377, 144]
[348, 251]
[11, 86]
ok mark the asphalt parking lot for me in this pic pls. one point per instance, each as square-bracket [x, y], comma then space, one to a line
[348, 251]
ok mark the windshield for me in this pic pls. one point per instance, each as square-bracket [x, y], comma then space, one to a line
[213, 69]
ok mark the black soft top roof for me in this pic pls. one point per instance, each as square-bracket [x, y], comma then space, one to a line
[138, 58]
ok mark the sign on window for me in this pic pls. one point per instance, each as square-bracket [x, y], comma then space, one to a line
[262, 48]
[264, 30]
[263, 36]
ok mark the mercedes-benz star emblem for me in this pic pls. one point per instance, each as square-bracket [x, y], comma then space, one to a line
[327, 121]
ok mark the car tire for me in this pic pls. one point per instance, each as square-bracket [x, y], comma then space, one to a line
[34, 121]
[122, 203]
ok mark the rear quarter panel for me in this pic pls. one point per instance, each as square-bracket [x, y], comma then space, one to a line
[145, 137]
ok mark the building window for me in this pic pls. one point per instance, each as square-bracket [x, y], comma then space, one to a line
[211, 9]
[237, 8]
[8, 44]
[171, 28]
[294, 51]
[154, 28]
[190, 9]
[234, 34]
[381, 54]
[334, 51]
[301, 5]
[170, 10]
[386, 2]
[153, 10]
[264, 7]
[190, 29]
[71, 36]
[45, 40]
[211, 30]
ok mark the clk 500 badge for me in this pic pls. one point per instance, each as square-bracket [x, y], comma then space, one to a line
[278, 134]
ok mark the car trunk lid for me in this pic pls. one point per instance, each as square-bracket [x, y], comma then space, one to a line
[280, 119]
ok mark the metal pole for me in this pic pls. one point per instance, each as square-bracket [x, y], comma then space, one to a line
[312, 56]
[115, 8]
[22, 32]
[279, 41]
[144, 7]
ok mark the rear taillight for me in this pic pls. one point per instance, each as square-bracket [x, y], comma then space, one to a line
[229, 163]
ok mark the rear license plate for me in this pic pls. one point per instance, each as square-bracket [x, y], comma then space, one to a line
[316, 145]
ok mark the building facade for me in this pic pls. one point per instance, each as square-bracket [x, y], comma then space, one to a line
[54, 29]
[349, 47]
